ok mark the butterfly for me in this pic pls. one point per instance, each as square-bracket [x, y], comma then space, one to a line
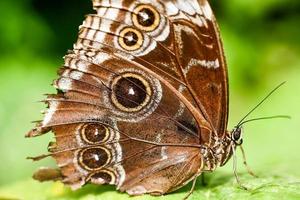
[142, 99]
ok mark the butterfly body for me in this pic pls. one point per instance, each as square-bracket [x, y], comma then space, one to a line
[142, 98]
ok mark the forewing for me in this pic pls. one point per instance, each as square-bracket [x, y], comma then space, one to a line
[200, 54]
[187, 50]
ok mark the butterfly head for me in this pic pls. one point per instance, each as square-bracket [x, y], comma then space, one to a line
[233, 139]
[237, 135]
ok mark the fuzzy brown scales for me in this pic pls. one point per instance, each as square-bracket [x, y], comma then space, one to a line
[143, 99]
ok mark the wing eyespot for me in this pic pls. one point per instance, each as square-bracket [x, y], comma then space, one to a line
[146, 18]
[130, 92]
[130, 39]
[102, 177]
[94, 133]
[94, 158]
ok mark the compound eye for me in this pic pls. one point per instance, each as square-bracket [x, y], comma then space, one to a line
[146, 18]
[130, 92]
[236, 135]
[130, 39]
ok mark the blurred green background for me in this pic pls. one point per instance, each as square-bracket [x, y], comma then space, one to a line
[262, 45]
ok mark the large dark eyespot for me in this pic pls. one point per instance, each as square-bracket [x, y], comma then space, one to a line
[146, 18]
[130, 92]
[94, 133]
[94, 158]
[130, 39]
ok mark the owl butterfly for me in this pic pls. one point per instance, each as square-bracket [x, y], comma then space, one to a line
[142, 99]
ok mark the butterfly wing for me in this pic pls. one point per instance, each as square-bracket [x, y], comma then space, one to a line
[126, 113]
[186, 48]
[201, 57]
[100, 143]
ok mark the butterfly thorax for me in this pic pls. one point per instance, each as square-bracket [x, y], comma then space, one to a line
[218, 153]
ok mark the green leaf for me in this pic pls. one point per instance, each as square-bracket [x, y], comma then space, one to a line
[219, 186]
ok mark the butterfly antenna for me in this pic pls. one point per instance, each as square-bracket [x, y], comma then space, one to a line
[261, 102]
[263, 118]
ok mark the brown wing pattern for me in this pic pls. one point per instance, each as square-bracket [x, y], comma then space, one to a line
[188, 48]
[132, 97]
[200, 54]
[97, 143]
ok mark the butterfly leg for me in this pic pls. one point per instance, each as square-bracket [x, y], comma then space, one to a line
[192, 189]
[235, 170]
[246, 164]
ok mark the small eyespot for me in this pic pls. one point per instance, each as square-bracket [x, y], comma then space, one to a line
[146, 18]
[93, 158]
[102, 177]
[94, 133]
[130, 92]
[130, 39]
